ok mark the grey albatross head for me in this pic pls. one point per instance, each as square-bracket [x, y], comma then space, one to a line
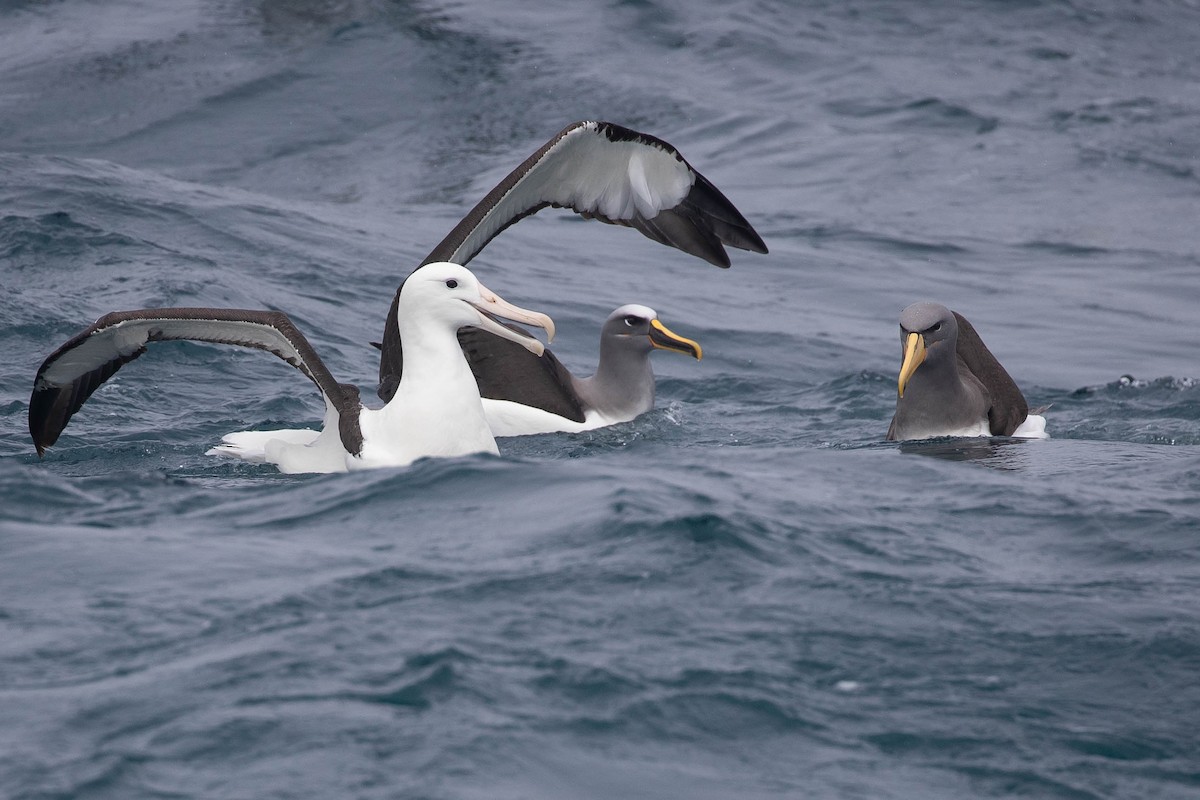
[928, 332]
[635, 330]
[623, 385]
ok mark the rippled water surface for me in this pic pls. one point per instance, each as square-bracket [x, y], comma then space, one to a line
[745, 593]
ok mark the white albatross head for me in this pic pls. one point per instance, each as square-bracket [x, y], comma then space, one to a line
[442, 293]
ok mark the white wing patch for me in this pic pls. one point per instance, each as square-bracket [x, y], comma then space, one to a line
[589, 173]
[100, 348]
[617, 180]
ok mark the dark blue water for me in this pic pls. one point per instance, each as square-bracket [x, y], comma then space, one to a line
[743, 594]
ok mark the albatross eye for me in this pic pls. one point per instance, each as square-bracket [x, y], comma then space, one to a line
[452, 284]
[632, 322]
[936, 328]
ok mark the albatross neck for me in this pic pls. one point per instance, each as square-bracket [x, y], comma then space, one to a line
[433, 359]
[624, 380]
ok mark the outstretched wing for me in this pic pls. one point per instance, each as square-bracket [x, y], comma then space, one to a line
[616, 175]
[1009, 408]
[601, 171]
[69, 376]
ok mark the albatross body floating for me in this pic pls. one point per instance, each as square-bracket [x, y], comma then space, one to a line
[621, 389]
[950, 384]
[435, 411]
[601, 171]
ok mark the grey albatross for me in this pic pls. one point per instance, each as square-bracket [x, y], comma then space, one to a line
[600, 171]
[950, 384]
[435, 412]
[621, 389]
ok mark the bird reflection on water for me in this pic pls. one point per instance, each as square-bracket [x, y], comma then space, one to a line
[997, 452]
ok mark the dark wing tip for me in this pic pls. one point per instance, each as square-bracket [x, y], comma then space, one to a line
[40, 428]
[722, 216]
[682, 228]
[51, 407]
[49, 413]
[701, 225]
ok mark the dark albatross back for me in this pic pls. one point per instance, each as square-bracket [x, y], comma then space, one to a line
[1008, 406]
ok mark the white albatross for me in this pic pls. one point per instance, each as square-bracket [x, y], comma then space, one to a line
[435, 412]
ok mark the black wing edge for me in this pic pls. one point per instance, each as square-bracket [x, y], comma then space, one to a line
[52, 406]
[391, 353]
[1009, 407]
